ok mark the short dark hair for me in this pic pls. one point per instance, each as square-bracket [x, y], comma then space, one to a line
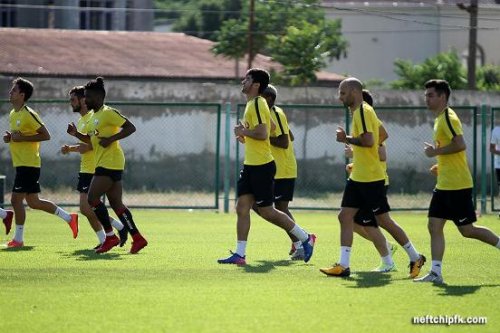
[441, 87]
[25, 87]
[260, 76]
[96, 85]
[270, 91]
[79, 91]
[367, 97]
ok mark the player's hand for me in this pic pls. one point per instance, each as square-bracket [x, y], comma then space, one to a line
[348, 151]
[341, 135]
[7, 137]
[65, 149]
[105, 142]
[241, 139]
[16, 136]
[348, 168]
[434, 170]
[238, 129]
[429, 150]
[71, 129]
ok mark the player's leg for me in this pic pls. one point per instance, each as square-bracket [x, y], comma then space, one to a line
[436, 231]
[17, 202]
[283, 194]
[6, 215]
[82, 187]
[115, 195]
[243, 205]
[480, 233]
[100, 184]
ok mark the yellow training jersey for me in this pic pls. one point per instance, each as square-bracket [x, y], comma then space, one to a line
[454, 173]
[366, 161]
[286, 165]
[257, 152]
[87, 162]
[105, 123]
[26, 121]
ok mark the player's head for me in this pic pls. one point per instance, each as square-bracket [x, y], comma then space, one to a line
[76, 98]
[21, 90]
[95, 93]
[350, 91]
[270, 94]
[367, 97]
[437, 93]
[255, 81]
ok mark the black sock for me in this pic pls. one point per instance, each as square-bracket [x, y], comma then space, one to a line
[102, 214]
[128, 221]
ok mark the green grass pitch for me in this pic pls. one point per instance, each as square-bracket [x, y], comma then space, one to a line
[57, 284]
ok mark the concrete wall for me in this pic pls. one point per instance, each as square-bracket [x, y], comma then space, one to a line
[216, 92]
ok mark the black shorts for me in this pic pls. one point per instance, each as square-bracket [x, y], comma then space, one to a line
[498, 176]
[454, 205]
[369, 195]
[283, 189]
[84, 180]
[259, 181]
[115, 175]
[27, 180]
[365, 217]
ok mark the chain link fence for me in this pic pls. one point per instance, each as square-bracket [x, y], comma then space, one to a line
[174, 159]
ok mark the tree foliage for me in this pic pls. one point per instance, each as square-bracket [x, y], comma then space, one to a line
[296, 34]
[445, 66]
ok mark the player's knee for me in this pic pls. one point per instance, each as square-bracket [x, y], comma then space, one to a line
[33, 203]
[267, 213]
[467, 231]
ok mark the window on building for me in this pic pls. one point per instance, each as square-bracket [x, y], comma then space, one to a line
[7, 13]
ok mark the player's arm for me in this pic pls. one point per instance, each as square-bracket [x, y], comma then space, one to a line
[493, 149]
[42, 134]
[383, 135]
[259, 132]
[280, 141]
[456, 145]
[127, 129]
[382, 153]
[74, 132]
[363, 140]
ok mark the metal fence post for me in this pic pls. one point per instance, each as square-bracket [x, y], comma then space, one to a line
[484, 144]
[227, 157]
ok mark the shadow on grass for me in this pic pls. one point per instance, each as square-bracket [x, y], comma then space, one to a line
[265, 266]
[369, 279]
[89, 254]
[18, 249]
[447, 290]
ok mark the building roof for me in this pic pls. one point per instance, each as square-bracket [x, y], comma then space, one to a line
[52, 52]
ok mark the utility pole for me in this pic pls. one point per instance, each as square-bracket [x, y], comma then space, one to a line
[250, 33]
[472, 9]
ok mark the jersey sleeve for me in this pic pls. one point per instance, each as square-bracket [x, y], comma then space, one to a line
[115, 118]
[33, 120]
[454, 126]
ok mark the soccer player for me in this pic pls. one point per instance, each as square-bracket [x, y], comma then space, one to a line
[6, 215]
[106, 127]
[87, 167]
[26, 132]
[452, 196]
[255, 184]
[281, 140]
[364, 221]
[365, 186]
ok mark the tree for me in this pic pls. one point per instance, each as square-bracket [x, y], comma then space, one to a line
[296, 34]
[305, 48]
[445, 66]
[206, 19]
